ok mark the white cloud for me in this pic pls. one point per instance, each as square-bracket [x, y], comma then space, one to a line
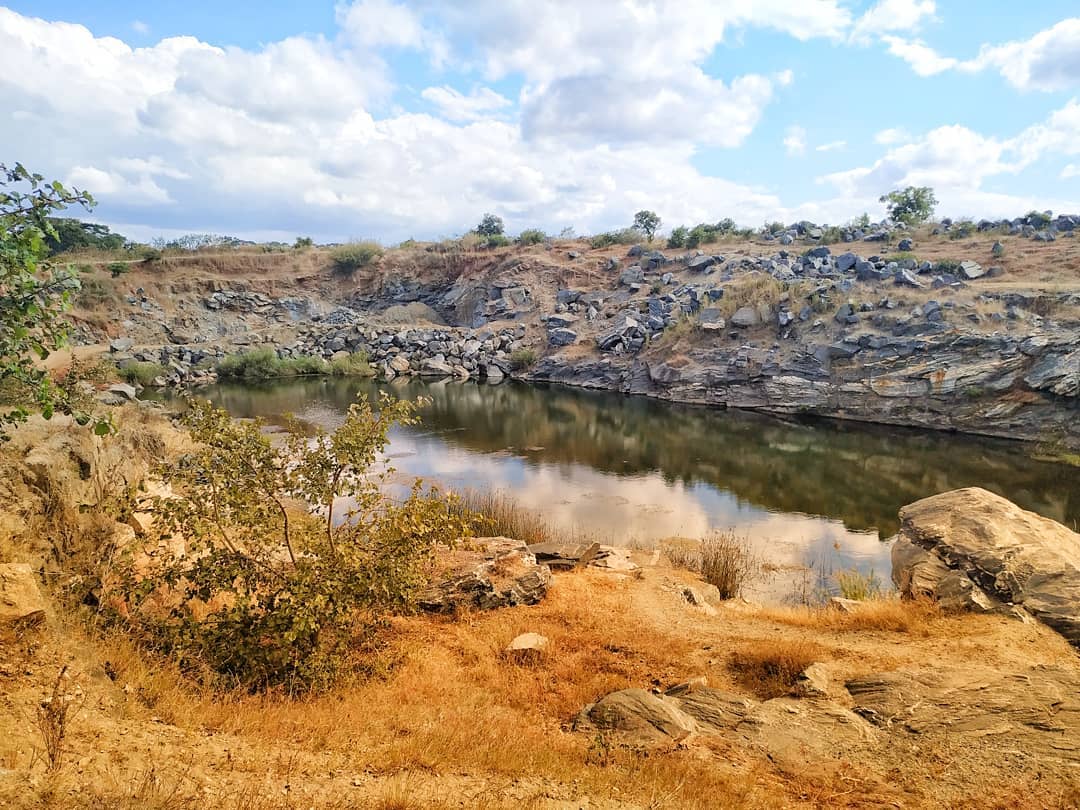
[139, 27]
[923, 59]
[1050, 60]
[1071, 170]
[460, 107]
[831, 146]
[795, 140]
[892, 15]
[784, 77]
[891, 136]
[103, 184]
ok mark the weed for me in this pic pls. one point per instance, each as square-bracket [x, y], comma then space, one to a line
[53, 714]
[264, 364]
[769, 669]
[728, 562]
[349, 258]
[627, 236]
[856, 585]
[354, 365]
[141, 373]
[521, 359]
[117, 269]
[532, 236]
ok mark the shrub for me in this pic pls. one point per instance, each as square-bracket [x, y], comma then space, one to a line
[355, 365]
[728, 562]
[902, 256]
[627, 236]
[522, 359]
[532, 236]
[490, 225]
[856, 585]
[303, 243]
[264, 364]
[947, 266]
[268, 596]
[349, 258]
[495, 240]
[678, 237]
[770, 669]
[1039, 219]
[144, 374]
[962, 229]
[502, 516]
[117, 269]
[912, 205]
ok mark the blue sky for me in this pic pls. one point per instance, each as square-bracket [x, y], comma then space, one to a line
[393, 119]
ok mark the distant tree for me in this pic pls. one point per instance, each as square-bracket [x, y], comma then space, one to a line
[647, 222]
[568, 233]
[34, 293]
[71, 234]
[912, 205]
[678, 237]
[491, 225]
[303, 242]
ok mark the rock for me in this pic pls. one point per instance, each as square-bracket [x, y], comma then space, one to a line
[711, 320]
[632, 275]
[701, 263]
[612, 558]
[562, 337]
[1056, 372]
[399, 363]
[997, 250]
[846, 315]
[490, 573]
[814, 681]
[746, 317]
[436, 368]
[527, 647]
[1012, 556]
[21, 602]
[907, 278]
[125, 391]
[565, 556]
[641, 715]
[121, 344]
[846, 261]
[697, 599]
[971, 270]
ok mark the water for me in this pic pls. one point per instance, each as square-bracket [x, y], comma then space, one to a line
[633, 471]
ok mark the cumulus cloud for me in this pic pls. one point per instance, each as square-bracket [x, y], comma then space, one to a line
[893, 135]
[923, 59]
[831, 146]
[457, 106]
[1050, 60]
[1071, 170]
[892, 15]
[795, 140]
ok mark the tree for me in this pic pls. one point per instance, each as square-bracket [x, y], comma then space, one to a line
[34, 293]
[266, 594]
[71, 234]
[647, 222]
[303, 242]
[912, 205]
[490, 225]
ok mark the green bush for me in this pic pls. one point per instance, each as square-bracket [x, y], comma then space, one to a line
[962, 229]
[1038, 219]
[522, 359]
[267, 595]
[678, 237]
[138, 373]
[495, 240]
[264, 364]
[355, 255]
[627, 236]
[947, 266]
[355, 365]
[117, 269]
[532, 236]
[303, 243]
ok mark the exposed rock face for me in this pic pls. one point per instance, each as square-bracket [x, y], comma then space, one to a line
[565, 556]
[970, 548]
[21, 602]
[492, 572]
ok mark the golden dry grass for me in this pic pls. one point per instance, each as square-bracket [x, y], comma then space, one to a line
[919, 617]
[769, 669]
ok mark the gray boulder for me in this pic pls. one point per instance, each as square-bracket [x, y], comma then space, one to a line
[490, 572]
[971, 270]
[746, 317]
[562, 337]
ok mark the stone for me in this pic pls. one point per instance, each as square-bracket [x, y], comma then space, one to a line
[814, 681]
[436, 368]
[746, 317]
[904, 245]
[971, 270]
[701, 263]
[907, 278]
[565, 556]
[632, 275]
[1013, 556]
[556, 321]
[124, 391]
[121, 344]
[615, 559]
[644, 716]
[846, 261]
[21, 602]
[711, 320]
[399, 363]
[527, 647]
[562, 337]
[486, 573]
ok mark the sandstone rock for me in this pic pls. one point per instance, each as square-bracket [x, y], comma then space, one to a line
[746, 317]
[492, 572]
[1013, 556]
[435, 368]
[121, 344]
[643, 716]
[527, 647]
[125, 391]
[971, 270]
[565, 556]
[814, 681]
[611, 558]
[21, 602]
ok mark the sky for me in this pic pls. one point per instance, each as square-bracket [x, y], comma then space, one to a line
[397, 119]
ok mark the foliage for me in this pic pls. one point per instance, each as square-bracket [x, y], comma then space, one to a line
[303, 243]
[267, 596]
[354, 365]
[962, 229]
[71, 234]
[912, 205]
[627, 236]
[531, 236]
[1039, 219]
[349, 258]
[522, 359]
[193, 242]
[141, 373]
[773, 228]
[947, 266]
[264, 364]
[678, 237]
[117, 269]
[495, 240]
[647, 222]
[490, 225]
[862, 221]
[856, 585]
[34, 293]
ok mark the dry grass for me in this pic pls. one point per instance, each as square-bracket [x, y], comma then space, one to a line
[750, 289]
[918, 617]
[724, 560]
[503, 516]
[769, 669]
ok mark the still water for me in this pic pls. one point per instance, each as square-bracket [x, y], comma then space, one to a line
[631, 470]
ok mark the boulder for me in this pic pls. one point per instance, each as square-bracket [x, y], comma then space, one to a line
[986, 553]
[565, 556]
[121, 344]
[643, 716]
[971, 270]
[746, 317]
[124, 391]
[488, 573]
[436, 368]
[527, 647]
[21, 602]
[562, 337]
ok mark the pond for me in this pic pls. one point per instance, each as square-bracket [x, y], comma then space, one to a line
[633, 471]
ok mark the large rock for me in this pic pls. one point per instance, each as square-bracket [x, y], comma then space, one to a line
[490, 572]
[565, 556]
[642, 716]
[974, 548]
[21, 602]
[745, 317]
